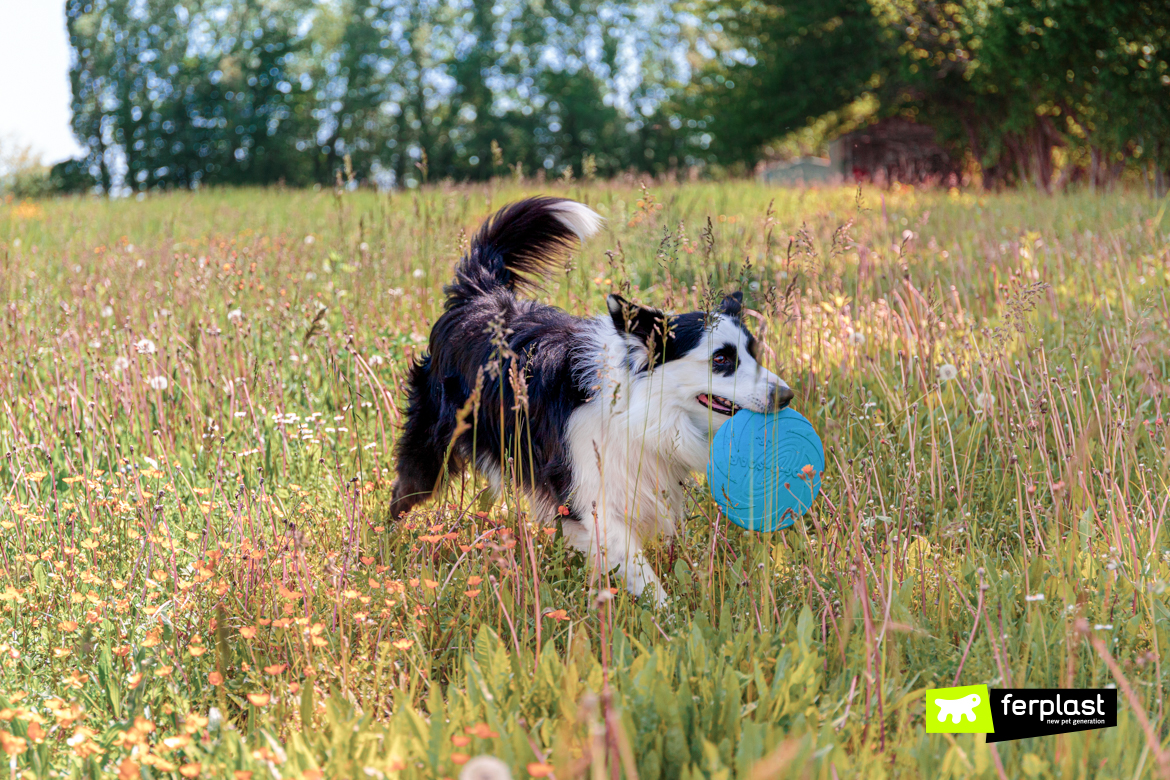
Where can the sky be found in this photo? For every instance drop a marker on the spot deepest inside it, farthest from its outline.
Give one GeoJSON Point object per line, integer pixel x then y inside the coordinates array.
{"type": "Point", "coordinates": [34, 78]}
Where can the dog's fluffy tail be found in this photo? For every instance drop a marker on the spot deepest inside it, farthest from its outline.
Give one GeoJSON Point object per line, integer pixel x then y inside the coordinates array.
{"type": "Point", "coordinates": [518, 244]}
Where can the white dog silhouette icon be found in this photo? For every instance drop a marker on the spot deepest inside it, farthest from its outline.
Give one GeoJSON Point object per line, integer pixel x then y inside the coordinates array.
{"type": "Point", "coordinates": [958, 708]}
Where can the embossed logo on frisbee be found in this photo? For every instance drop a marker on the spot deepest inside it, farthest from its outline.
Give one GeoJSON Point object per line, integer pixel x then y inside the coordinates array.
{"type": "Point", "coordinates": [765, 469]}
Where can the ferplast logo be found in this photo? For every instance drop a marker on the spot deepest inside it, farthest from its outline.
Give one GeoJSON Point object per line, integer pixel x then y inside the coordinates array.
{"type": "Point", "coordinates": [1017, 713]}
{"type": "Point", "coordinates": [962, 710]}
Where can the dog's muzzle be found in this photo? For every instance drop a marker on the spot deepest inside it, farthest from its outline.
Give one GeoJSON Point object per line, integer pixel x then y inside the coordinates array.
{"type": "Point", "coordinates": [779, 396]}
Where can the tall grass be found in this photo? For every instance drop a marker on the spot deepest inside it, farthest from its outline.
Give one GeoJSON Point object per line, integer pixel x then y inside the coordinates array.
{"type": "Point", "coordinates": [200, 396]}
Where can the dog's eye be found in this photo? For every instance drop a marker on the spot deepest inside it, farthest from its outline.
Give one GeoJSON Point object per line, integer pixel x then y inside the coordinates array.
{"type": "Point", "coordinates": [725, 360]}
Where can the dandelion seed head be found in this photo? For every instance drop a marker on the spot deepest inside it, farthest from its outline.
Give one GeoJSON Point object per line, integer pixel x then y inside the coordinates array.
{"type": "Point", "coordinates": [485, 768]}
{"type": "Point", "coordinates": [235, 315]}
{"type": "Point", "coordinates": [158, 383]}
{"type": "Point", "coordinates": [121, 363]}
{"type": "Point", "coordinates": [947, 372]}
{"type": "Point", "coordinates": [145, 347]}
{"type": "Point", "coordinates": [984, 401]}
{"type": "Point", "coordinates": [857, 338]}
{"type": "Point", "coordinates": [418, 273]}
{"type": "Point", "coordinates": [310, 240]}
{"type": "Point", "coordinates": [107, 311]}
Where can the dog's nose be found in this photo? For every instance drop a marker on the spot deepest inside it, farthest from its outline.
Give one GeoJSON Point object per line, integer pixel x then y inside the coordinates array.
{"type": "Point", "coordinates": [780, 396]}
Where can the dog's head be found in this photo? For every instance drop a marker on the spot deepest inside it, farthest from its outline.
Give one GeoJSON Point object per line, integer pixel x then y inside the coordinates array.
{"type": "Point", "coordinates": [708, 360]}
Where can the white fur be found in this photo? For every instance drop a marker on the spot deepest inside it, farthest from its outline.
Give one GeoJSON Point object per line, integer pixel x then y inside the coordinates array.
{"type": "Point", "coordinates": [578, 217]}
{"type": "Point", "coordinates": [639, 438]}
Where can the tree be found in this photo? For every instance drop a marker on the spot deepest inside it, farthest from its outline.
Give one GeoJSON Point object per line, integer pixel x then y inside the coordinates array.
{"type": "Point", "coordinates": [174, 94]}
{"type": "Point", "coordinates": [787, 64]}
{"type": "Point", "coordinates": [170, 93]}
{"type": "Point", "coordinates": [1011, 81]}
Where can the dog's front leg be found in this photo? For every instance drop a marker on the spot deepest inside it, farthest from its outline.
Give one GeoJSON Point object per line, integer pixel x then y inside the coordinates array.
{"type": "Point", "coordinates": [610, 543]}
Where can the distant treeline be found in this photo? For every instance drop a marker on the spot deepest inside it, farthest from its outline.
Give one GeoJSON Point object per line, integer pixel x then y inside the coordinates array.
{"type": "Point", "coordinates": [199, 92]}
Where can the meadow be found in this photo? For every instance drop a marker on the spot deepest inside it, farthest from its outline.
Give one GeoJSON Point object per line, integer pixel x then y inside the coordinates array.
{"type": "Point", "coordinates": [200, 393]}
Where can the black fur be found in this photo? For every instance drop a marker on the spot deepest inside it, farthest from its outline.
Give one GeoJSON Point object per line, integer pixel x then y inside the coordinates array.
{"type": "Point", "coordinates": [732, 305]}
{"type": "Point", "coordinates": [666, 337]}
{"type": "Point", "coordinates": [490, 338]}
{"type": "Point", "coordinates": [725, 360]}
{"type": "Point", "coordinates": [487, 334]}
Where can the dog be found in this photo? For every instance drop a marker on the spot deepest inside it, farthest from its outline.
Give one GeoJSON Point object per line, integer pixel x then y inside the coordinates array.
{"type": "Point", "coordinates": [605, 417]}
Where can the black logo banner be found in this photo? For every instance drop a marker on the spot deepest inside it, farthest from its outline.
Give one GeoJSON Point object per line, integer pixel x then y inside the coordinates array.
{"type": "Point", "coordinates": [1019, 713]}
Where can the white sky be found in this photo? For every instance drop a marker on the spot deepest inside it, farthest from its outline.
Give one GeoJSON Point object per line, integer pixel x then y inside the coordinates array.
{"type": "Point", "coordinates": [34, 78]}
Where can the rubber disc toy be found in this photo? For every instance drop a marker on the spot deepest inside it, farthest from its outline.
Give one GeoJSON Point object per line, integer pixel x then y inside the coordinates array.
{"type": "Point", "coordinates": [759, 468]}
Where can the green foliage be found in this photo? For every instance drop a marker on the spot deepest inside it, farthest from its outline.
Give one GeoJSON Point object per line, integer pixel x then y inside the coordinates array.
{"type": "Point", "coordinates": [1040, 93]}
{"type": "Point", "coordinates": [190, 93]}
{"type": "Point", "coordinates": [182, 94]}
{"type": "Point", "coordinates": [1012, 81]}
{"type": "Point", "coordinates": [22, 174]}
{"type": "Point", "coordinates": [800, 61]}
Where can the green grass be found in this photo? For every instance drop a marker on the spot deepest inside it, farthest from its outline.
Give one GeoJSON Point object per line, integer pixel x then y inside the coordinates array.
{"type": "Point", "coordinates": [201, 579]}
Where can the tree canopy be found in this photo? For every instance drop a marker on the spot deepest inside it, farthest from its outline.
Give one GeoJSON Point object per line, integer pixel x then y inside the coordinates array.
{"type": "Point", "coordinates": [179, 93]}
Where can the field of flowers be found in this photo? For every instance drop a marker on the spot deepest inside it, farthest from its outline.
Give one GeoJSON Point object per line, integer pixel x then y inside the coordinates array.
{"type": "Point", "coordinates": [199, 396]}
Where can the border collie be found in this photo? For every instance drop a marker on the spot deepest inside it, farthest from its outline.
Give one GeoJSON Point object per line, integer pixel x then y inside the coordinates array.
{"type": "Point", "coordinates": [605, 416]}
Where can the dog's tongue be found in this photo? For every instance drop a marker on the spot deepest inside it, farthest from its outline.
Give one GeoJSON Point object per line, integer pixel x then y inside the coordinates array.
{"type": "Point", "coordinates": [715, 402]}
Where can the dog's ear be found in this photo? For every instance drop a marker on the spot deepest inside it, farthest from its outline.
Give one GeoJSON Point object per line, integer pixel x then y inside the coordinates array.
{"type": "Point", "coordinates": [646, 324]}
{"type": "Point", "coordinates": [732, 305]}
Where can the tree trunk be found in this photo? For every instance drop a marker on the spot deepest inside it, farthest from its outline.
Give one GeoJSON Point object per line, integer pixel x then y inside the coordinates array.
{"type": "Point", "coordinates": [986, 174]}
{"type": "Point", "coordinates": [1042, 149]}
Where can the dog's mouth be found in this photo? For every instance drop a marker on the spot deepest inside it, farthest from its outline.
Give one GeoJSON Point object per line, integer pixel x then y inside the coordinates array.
{"type": "Point", "coordinates": [718, 403]}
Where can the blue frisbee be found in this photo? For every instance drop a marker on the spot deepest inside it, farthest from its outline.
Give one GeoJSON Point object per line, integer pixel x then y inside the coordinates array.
{"type": "Point", "coordinates": [757, 471]}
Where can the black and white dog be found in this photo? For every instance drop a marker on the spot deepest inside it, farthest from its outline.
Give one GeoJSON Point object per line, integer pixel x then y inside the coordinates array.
{"type": "Point", "coordinates": [605, 416]}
